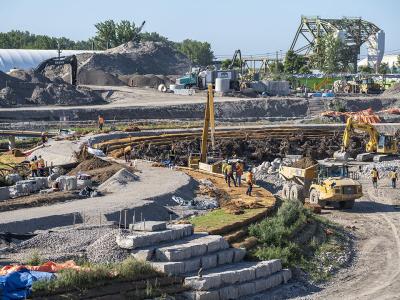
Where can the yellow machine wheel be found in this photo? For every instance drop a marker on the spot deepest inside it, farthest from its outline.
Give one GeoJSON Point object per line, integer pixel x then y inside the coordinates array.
{"type": "Point", "coordinates": [296, 193]}
{"type": "Point", "coordinates": [286, 192]}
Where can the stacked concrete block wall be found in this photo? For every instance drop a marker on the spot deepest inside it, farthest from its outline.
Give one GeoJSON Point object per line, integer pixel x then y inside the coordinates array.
{"type": "Point", "coordinates": [212, 269]}
{"type": "Point", "coordinates": [67, 183]}
{"type": "Point", "coordinates": [4, 193]}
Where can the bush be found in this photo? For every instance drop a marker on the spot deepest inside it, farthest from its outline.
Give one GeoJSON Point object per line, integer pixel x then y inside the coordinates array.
{"type": "Point", "coordinates": [288, 254]}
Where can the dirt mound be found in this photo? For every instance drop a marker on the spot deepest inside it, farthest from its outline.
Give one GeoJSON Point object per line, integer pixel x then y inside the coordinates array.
{"type": "Point", "coordinates": [29, 88]}
{"type": "Point", "coordinates": [97, 77]}
{"type": "Point", "coordinates": [29, 76]}
{"type": "Point", "coordinates": [304, 163]}
{"type": "Point", "coordinates": [118, 181]}
{"type": "Point", "coordinates": [131, 58]}
{"type": "Point", "coordinates": [92, 164]}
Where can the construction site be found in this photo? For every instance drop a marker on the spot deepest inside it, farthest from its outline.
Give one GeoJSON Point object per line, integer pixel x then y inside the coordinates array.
{"type": "Point", "coordinates": [130, 173]}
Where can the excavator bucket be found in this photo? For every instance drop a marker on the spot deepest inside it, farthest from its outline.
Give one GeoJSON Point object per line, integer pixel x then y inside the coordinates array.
{"type": "Point", "coordinates": [341, 155]}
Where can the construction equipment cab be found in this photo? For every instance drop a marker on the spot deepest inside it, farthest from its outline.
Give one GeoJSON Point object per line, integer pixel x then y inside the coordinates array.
{"type": "Point", "coordinates": [323, 183]}
{"type": "Point", "coordinates": [380, 146]}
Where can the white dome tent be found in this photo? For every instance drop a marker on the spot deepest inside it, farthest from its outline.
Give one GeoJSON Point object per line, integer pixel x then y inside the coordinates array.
{"type": "Point", "coordinates": [28, 59]}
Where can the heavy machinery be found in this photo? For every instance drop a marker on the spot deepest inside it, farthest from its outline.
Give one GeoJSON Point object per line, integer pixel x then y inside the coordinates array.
{"type": "Point", "coordinates": [380, 146]}
{"type": "Point", "coordinates": [60, 61]}
{"type": "Point", "coordinates": [322, 183]}
{"type": "Point", "coordinates": [366, 85]}
{"type": "Point", "coordinates": [202, 160]}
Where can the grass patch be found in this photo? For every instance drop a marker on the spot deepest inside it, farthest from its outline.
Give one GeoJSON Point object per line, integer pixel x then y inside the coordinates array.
{"type": "Point", "coordinates": [219, 218]}
{"type": "Point", "coordinates": [319, 256]}
{"type": "Point", "coordinates": [34, 259]}
{"type": "Point", "coordinates": [127, 270]}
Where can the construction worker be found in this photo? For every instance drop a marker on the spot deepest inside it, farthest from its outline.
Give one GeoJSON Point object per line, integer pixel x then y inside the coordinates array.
{"type": "Point", "coordinates": [41, 165]}
{"type": "Point", "coordinates": [34, 167]}
{"type": "Point", "coordinates": [127, 153]}
{"type": "Point", "coordinates": [44, 137]}
{"type": "Point", "coordinates": [224, 165]}
{"type": "Point", "coordinates": [249, 180]}
{"type": "Point", "coordinates": [239, 173]}
{"type": "Point", "coordinates": [172, 155]}
{"type": "Point", "coordinates": [100, 122]}
{"type": "Point", "coordinates": [393, 176]}
{"type": "Point", "coordinates": [375, 177]}
{"type": "Point", "coordinates": [229, 174]}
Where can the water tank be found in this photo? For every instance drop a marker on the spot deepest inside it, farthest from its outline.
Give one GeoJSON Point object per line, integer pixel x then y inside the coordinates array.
{"type": "Point", "coordinates": [222, 85]}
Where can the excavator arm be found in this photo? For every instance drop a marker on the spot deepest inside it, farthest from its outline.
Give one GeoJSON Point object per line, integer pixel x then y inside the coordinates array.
{"type": "Point", "coordinates": [59, 61]}
{"type": "Point", "coordinates": [351, 126]}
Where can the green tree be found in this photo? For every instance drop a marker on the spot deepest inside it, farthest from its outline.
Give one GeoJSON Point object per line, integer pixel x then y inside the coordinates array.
{"type": "Point", "coordinates": [153, 37]}
{"type": "Point", "coordinates": [227, 62]}
{"type": "Point", "coordinates": [331, 55]}
{"type": "Point", "coordinates": [105, 35]}
{"type": "Point", "coordinates": [398, 61]}
{"type": "Point", "coordinates": [293, 62]}
{"type": "Point", "coordinates": [200, 53]}
{"type": "Point", "coordinates": [383, 68]}
{"type": "Point", "coordinates": [366, 69]}
{"type": "Point", "coordinates": [273, 67]}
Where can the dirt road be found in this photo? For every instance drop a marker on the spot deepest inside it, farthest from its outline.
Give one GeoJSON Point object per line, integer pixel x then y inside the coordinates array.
{"type": "Point", "coordinates": [376, 271]}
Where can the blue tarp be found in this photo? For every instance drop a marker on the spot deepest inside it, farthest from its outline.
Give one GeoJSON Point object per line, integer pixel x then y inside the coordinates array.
{"type": "Point", "coordinates": [18, 285]}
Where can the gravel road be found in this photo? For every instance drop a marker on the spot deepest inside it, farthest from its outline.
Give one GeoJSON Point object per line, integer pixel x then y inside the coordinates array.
{"type": "Point", "coordinates": [375, 272]}
{"type": "Point", "coordinates": [149, 196]}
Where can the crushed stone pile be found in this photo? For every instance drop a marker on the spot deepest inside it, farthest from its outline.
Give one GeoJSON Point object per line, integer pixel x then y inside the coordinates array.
{"type": "Point", "coordinates": [304, 163]}
{"type": "Point", "coordinates": [383, 168]}
{"type": "Point", "coordinates": [393, 91]}
{"type": "Point", "coordinates": [129, 59]}
{"type": "Point", "coordinates": [94, 243]}
{"type": "Point", "coordinates": [27, 88]}
{"type": "Point", "coordinates": [118, 181]}
{"type": "Point", "coordinates": [150, 80]}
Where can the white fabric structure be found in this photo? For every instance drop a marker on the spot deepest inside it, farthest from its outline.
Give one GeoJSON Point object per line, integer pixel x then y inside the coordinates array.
{"type": "Point", "coordinates": [28, 59]}
{"type": "Point", "coordinates": [390, 59]}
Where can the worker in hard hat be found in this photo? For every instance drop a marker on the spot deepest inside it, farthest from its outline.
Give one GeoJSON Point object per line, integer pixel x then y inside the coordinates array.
{"type": "Point", "coordinates": [41, 166]}
{"type": "Point", "coordinates": [249, 181]}
{"type": "Point", "coordinates": [224, 165]}
{"type": "Point", "coordinates": [34, 167]}
{"type": "Point", "coordinates": [239, 172]}
{"type": "Point", "coordinates": [229, 174]}
{"type": "Point", "coordinates": [374, 177]}
{"type": "Point", "coordinates": [128, 153]}
{"type": "Point", "coordinates": [393, 177]}
{"type": "Point", "coordinates": [100, 122]}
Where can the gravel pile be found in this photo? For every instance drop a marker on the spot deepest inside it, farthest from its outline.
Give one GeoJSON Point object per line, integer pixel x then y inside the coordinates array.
{"type": "Point", "coordinates": [27, 88]}
{"type": "Point", "coordinates": [383, 168]}
{"type": "Point", "coordinates": [94, 243]}
{"type": "Point", "coordinates": [392, 91]}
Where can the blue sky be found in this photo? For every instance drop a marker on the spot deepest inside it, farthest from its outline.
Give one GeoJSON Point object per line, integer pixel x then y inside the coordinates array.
{"type": "Point", "coordinates": [254, 26]}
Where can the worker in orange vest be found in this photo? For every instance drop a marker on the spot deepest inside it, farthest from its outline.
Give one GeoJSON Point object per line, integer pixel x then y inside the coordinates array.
{"type": "Point", "coordinates": [101, 122]}
{"type": "Point", "coordinates": [41, 166]}
{"type": "Point", "coordinates": [34, 167]}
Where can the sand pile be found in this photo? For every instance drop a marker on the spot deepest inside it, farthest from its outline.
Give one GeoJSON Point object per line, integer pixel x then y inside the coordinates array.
{"type": "Point", "coordinates": [27, 88]}
{"type": "Point", "coordinates": [118, 181]}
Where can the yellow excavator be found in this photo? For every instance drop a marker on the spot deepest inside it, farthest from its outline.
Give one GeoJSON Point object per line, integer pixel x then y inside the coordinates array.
{"type": "Point", "coordinates": [380, 146]}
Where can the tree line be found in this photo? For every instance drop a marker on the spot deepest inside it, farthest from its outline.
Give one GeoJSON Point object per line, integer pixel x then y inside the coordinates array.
{"type": "Point", "coordinates": [109, 34]}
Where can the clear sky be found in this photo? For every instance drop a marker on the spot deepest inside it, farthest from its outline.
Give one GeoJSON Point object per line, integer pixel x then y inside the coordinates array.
{"type": "Point", "coordinates": [254, 26]}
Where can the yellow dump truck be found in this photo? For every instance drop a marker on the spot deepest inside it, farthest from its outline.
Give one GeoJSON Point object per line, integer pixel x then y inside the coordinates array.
{"type": "Point", "coordinates": [322, 183]}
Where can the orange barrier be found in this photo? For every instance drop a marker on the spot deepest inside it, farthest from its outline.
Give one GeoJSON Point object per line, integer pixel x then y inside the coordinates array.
{"type": "Point", "coordinates": [393, 111]}
{"type": "Point", "coordinates": [49, 266]}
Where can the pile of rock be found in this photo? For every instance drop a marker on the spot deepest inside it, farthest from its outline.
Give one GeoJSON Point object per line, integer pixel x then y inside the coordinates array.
{"type": "Point", "coordinates": [383, 168]}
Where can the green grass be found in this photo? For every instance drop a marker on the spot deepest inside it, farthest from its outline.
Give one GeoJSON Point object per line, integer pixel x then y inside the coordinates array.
{"type": "Point", "coordinates": [94, 274]}
{"type": "Point", "coordinates": [34, 259]}
{"type": "Point", "coordinates": [318, 257]}
{"type": "Point", "coordinates": [219, 218]}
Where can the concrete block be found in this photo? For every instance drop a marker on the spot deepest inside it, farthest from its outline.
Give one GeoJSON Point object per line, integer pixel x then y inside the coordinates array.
{"type": "Point", "coordinates": [148, 226]}
{"type": "Point", "coordinates": [145, 254]}
{"type": "Point", "coordinates": [192, 265]}
{"type": "Point", "coordinates": [82, 183]}
{"type": "Point", "coordinates": [260, 285]}
{"type": "Point", "coordinates": [198, 250]}
{"type": "Point", "coordinates": [204, 283]}
{"type": "Point", "coordinates": [209, 261]}
{"type": "Point", "coordinates": [171, 268]}
{"type": "Point", "coordinates": [174, 253]}
{"type": "Point", "coordinates": [247, 274]}
{"type": "Point", "coordinates": [228, 293]}
{"type": "Point", "coordinates": [225, 256]}
{"type": "Point", "coordinates": [263, 269]}
{"type": "Point", "coordinates": [202, 295]}
{"type": "Point", "coordinates": [238, 254]}
{"type": "Point", "coordinates": [246, 289]}
{"type": "Point", "coordinates": [4, 193]}
{"type": "Point", "coordinates": [276, 265]}
{"type": "Point", "coordinates": [216, 243]}
{"type": "Point", "coordinates": [287, 275]}
{"type": "Point", "coordinates": [41, 182]}
{"type": "Point", "coordinates": [229, 278]}
{"type": "Point", "coordinates": [274, 280]}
